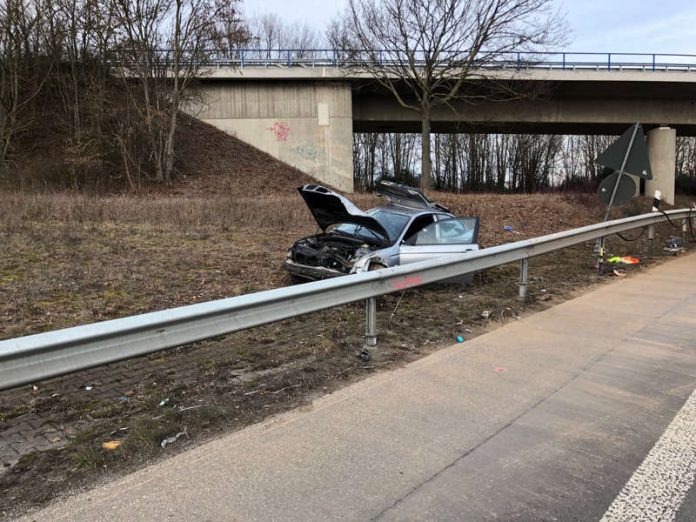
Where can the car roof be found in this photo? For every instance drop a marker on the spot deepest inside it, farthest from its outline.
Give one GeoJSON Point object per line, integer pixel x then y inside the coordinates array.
{"type": "Point", "coordinates": [407, 211]}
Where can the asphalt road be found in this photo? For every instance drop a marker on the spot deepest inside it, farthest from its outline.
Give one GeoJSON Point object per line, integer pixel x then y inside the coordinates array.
{"type": "Point", "coordinates": [582, 412]}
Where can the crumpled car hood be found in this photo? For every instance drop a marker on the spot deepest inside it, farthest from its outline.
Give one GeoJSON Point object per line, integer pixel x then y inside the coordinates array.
{"type": "Point", "coordinates": [329, 208]}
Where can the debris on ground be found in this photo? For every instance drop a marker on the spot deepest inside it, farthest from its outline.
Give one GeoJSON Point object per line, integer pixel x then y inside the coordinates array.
{"type": "Point", "coordinates": [191, 407]}
{"type": "Point", "coordinates": [460, 339]}
{"type": "Point", "coordinates": [171, 440]}
{"type": "Point", "coordinates": [624, 260]}
{"type": "Point", "coordinates": [364, 355]}
{"type": "Point", "coordinates": [674, 245]}
{"type": "Point", "coordinates": [169, 401]}
{"type": "Point", "coordinates": [485, 314]}
{"type": "Point", "coordinates": [111, 445]}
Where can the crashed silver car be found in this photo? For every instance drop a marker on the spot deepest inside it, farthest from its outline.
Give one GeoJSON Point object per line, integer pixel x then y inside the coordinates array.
{"type": "Point", "coordinates": [407, 229]}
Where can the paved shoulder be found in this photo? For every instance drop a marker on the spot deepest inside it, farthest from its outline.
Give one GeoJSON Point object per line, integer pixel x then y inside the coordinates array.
{"type": "Point", "coordinates": [547, 418]}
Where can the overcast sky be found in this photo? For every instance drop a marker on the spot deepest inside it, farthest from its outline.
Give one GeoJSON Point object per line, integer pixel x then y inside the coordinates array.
{"type": "Point", "coordinates": [631, 26]}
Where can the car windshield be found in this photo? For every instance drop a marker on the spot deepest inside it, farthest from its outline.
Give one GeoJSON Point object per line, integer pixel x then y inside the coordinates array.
{"type": "Point", "coordinates": [392, 222]}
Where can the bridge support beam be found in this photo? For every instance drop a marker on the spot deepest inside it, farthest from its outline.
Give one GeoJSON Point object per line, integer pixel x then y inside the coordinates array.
{"type": "Point", "coordinates": [308, 125]}
{"type": "Point", "coordinates": [662, 150]}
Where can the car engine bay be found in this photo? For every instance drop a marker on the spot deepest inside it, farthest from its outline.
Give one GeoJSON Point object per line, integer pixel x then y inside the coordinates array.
{"type": "Point", "coordinates": [329, 251]}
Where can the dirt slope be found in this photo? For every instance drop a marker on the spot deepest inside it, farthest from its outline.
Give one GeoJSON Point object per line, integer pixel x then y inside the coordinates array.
{"type": "Point", "coordinates": [210, 161]}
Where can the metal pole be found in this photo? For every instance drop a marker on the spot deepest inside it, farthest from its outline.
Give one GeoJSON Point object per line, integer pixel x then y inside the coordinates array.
{"type": "Point", "coordinates": [524, 266]}
{"type": "Point", "coordinates": [623, 166]}
{"type": "Point", "coordinates": [371, 321]}
{"type": "Point", "coordinates": [651, 239]}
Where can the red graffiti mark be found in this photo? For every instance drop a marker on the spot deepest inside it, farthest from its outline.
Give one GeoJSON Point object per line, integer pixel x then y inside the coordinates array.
{"type": "Point", "coordinates": [408, 282]}
{"type": "Point", "coordinates": [281, 130]}
{"type": "Point", "coordinates": [500, 369]}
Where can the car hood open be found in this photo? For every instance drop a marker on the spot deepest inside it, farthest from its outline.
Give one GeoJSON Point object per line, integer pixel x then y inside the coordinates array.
{"type": "Point", "coordinates": [329, 208]}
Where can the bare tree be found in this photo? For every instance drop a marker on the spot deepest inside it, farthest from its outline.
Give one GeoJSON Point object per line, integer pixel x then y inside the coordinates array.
{"type": "Point", "coordinates": [163, 44]}
{"type": "Point", "coordinates": [425, 51]}
{"type": "Point", "coordinates": [686, 156]}
{"type": "Point", "coordinates": [365, 148]}
{"type": "Point", "coordinates": [270, 34]}
{"type": "Point", "coordinates": [21, 78]}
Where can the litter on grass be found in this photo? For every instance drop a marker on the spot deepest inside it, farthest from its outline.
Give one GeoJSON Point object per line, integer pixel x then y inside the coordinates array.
{"type": "Point", "coordinates": [171, 440]}
{"type": "Point", "coordinates": [624, 260]}
{"type": "Point", "coordinates": [364, 355]}
{"type": "Point", "coordinates": [111, 445]}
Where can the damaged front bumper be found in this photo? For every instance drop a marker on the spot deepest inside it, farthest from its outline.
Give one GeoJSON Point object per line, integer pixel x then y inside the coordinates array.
{"type": "Point", "coordinates": [310, 272]}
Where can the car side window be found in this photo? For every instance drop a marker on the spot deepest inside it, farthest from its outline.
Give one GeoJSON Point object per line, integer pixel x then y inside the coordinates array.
{"type": "Point", "coordinates": [454, 231]}
{"type": "Point", "coordinates": [418, 224]}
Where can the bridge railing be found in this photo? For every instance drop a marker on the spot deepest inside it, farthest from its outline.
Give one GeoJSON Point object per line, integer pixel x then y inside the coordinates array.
{"type": "Point", "coordinates": [29, 359]}
{"type": "Point", "coordinates": [511, 60]}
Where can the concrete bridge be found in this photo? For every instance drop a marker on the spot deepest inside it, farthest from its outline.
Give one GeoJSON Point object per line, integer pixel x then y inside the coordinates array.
{"type": "Point", "coordinates": [305, 115]}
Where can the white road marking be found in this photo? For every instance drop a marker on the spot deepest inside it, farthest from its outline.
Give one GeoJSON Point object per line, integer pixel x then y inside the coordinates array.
{"type": "Point", "coordinates": [659, 486]}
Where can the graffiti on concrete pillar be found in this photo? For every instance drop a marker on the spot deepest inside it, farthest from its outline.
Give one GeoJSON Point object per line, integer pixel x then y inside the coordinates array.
{"type": "Point", "coordinates": [307, 151]}
{"type": "Point", "coordinates": [281, 130]}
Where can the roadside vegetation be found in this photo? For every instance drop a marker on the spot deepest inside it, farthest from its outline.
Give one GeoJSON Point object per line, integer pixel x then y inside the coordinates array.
{"type": "Point", "coordinates": [115, 203]}
{"type": "Point", "coordinates": [71, 259]}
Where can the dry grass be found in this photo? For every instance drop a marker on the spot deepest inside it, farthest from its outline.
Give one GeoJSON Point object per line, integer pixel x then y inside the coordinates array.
{"type": "Point", "coordinates": [277, 212]}
{"type": "Point", "coordinates": [271, 211]}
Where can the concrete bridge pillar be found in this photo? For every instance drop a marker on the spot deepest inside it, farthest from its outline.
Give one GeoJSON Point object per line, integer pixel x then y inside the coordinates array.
{"type": "Point", "coordinates": [306, 124]}
{"type": "Point", "coordinates": [662, 150]}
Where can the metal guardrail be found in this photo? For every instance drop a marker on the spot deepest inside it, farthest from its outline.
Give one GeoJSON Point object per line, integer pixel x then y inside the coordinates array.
{"type": "Point", "coordinates": [29, 359]}
{"type": "Point", "coordinates": [287, 58]}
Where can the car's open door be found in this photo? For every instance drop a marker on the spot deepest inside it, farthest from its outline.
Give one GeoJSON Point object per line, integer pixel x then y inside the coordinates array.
{"type": "Point", "coordinates": [441, 238]}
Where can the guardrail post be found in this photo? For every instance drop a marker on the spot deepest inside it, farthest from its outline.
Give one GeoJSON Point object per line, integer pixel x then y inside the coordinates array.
{"type": "Point", "coordinates": [653, 64]}
{"type": "Point", "coordinates": [685, 228]}
{"type": "Point", "coordinates": [651, 240]}
{"type": "Point", "coordinates": [524, 268]}
{"type": "Point", "coordinates": [609, 62]}
{"type": "Point", "coordinates": [371, 321]}
{"type": "Point", "coordinates": [564, 60]}
{"type": "Point", "coordinates": [241, 58]}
